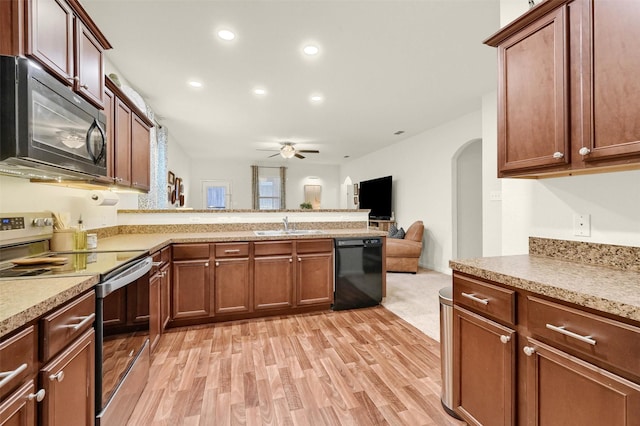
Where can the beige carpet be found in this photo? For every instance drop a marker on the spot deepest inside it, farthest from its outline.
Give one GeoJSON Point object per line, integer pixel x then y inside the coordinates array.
{"type": "Point", "coordinates": [414, 298]}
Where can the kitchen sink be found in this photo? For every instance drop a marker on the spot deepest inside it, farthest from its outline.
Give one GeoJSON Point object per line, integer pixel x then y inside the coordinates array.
{"type": "Point", "coordinates": [279, 232]}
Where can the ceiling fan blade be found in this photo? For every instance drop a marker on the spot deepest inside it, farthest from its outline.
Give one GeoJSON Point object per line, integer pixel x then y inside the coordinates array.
{"type": "Point", "coordinates": [272, 150]}
{"type": "Point", "coordinates": [299, 156]}
{"type": "Point", "coordinates": [274, 155]}
{"type": "Point", "coordinates": [309, 151]}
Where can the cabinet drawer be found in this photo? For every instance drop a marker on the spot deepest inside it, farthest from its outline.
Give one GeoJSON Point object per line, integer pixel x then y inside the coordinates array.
{"type": "Point", "coordinates": [232, 250]}
{"type": "Point", "coordinates": [190, 251]}
{"type": "Point", "coordinates": [486, 299]}
{"type": "Point", "coordinates": [18, 359]}
{"type": "Point", "coordinates": [314, 246]}
{"type": "Point", "coordinates": [65, 324]}
{"type": "Point", "coordinates": [599, 338]}
{"type": "Point", "coordinates": [165, 255]}
{"type": "Point", "coordinates": [271, 248]}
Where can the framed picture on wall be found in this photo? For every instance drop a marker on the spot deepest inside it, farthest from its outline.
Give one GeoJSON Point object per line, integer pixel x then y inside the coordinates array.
{"type": "Point", "coordinates": [171, 178]}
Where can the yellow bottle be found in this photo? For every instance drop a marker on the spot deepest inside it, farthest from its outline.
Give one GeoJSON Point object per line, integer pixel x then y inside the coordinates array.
{"type": "Point", "coordinates": [80, 237]}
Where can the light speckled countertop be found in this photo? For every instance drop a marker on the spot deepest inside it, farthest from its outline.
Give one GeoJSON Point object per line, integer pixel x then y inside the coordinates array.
{"type": "Point", "coordinates": [614, 291]}
{"type": "Point", "coordinates": [24, 300]}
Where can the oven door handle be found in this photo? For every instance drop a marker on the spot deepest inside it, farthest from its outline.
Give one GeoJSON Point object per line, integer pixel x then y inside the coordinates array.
{"type": "Point", "coordinates": [126, 277]}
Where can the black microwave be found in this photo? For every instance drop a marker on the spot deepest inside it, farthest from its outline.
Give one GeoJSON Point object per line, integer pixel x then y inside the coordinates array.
{"type": "Point", "coordinates": [46, 130]}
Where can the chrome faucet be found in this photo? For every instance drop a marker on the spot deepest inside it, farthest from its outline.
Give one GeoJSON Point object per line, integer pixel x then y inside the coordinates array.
{"type": "Point", "coordinates": [285, 221]}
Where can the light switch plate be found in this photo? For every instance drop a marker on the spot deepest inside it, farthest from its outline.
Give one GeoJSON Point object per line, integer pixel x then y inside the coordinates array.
{"type": "Point", "coordinates": [582, 225]}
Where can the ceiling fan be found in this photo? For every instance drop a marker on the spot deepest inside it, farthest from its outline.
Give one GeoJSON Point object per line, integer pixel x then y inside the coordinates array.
{"type": "Point", "coordinates": [288, 150]}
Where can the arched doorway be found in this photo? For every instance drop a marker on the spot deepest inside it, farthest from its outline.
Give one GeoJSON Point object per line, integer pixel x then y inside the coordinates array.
{"type": "Point", "coordinates": [467, 200]}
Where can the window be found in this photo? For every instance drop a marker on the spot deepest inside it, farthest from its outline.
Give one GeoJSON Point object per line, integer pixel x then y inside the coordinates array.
{"type": "Point", "coordinates": [216, 194]}
{"type": "Point", "coordinates": [268, 188]}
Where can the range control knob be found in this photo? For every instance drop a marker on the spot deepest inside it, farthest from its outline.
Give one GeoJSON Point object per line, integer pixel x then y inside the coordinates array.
{"type": "Point", "coordinates": [42, 221]}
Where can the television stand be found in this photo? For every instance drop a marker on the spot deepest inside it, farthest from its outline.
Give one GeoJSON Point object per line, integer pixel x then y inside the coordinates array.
{"type": "Point", "coordinates": [382, 225]}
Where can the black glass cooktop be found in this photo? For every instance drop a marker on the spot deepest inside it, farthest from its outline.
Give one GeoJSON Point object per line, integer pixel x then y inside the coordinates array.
{"type": "Point", "coordinates": [76, 263]}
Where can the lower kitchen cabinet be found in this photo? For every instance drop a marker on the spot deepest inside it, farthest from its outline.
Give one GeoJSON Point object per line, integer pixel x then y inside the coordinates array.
{"type": "Point", "coordinates": [484, 370]}
{"type": "Point", "coordinates": [574, 367]}
{"type": "Point", "coordinates": [165, 295]}
{"type": "Point", "coordinates": [20, 407]}
{"type": "Point", "coordinates": [314, 278]}
{"type": "Point", "coordinates": [155, 320]}
{"type": "Point", "coordinates": [190, 283]}
{"type": "Point", "coordinates": [564, 390]}
{"type": "Point", "coordinates": [273, 275]}
{"type": "Point", "coordinates": [232, 286]}
{"type": "Point", "coordinates": [68, 381]}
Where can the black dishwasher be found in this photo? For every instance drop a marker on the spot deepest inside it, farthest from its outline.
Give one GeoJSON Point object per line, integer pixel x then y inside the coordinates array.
{"type": "Point", "coordinates": [358, 273]}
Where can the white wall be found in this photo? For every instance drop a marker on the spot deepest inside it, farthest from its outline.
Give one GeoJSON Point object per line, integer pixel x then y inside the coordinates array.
{"type": "Point", "coordinates": [180, 164]}
{"type": "Point", "coordinates": [467, 203]}
{"type": "Point", "coordinates": [421, 167]}
{"type": "Point", "coordinates": [491, 185]}
{"type": "Point", "coordinates": [238, 173]}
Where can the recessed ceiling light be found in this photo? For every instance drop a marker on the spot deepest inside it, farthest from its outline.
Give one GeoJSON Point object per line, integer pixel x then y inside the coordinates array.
{"type": "Point", "coordinates": [226, 35]}
{"type": "Point", "coordinates": [259, 91]}
{"type": "Point", "coordinates": [194, 83]}
{"type": "Point", "coordinates": [311, 50]}
{"type": "Point", "coordinates": [316, 98]}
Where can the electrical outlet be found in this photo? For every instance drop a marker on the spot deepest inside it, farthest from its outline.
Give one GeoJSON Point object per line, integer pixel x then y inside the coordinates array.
{"type": "Point", "coordinates": [582, 225]}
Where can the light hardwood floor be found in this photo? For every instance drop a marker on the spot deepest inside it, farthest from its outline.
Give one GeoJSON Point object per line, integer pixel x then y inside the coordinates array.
{"type": "Point", "coordinates": [358, 367]}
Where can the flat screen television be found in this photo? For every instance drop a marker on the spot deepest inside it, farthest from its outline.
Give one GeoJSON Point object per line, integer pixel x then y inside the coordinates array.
{"type": "Point", "coordinates": [375, 195]}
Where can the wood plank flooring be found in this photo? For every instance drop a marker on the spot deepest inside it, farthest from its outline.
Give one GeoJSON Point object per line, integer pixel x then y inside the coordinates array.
{"type": "Point", "coordinates": [358, 367]}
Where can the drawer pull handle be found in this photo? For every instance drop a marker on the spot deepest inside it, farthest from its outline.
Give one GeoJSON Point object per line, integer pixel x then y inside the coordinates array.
{"type": "Point", "coordinates": [562, 330]}
{"type": "Point", "coordinates": [505, 339]}
{"type": "Point", "coordinates": [528, 350]}
{"type": "Point", "coordinates": [232, 251]}
{"type": "Point", "coordinates": [57, 377]}
{"type": "Point", "coordinates": [8, 376]}
{"type": "Point", "coordinates": [38, 396]}
{"type": "Point", "coordinates": [475, 298]}
{"type": "Point", "coordinates": [86, 320]}
{"type": "Point", "coordinates": [156, 263]}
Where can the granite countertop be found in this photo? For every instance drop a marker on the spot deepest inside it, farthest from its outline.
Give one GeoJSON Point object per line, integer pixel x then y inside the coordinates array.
{"type": "Point", "coordinates": [610, 290]}
{"type": "Point", "coordinates": [23, 300]}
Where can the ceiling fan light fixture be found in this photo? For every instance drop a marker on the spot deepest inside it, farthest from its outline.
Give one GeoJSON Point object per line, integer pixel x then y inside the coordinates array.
{"type": "Point", "coordinates": [287, 151]}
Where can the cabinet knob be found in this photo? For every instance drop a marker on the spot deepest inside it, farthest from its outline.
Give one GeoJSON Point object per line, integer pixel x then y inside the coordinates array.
{"type": "Point", "coordinates": [57, 377]}
{"type": "Point", "coordinates": [290, 260]}
{"type": "Point", "coordinates": [84, 86]}
{"type": "Point", "coordinates": [299, 259]}
{"type": "Point", "coordinates": [38, 396]}
{"type": "Point", "coordinates": [584, 150]}
{"type": "Point", "coordinates": [558, 155]}
{"type": "Point", "coordinates": [217, 264]}
{"type": "Point", "coordinates": [528, 350]}
{"type": "Point", "coordinates": [505, 339]}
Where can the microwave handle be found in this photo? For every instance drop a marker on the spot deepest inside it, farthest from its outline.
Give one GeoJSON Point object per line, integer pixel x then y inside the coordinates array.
{"type": "Point", "coordinates": [93, 126]}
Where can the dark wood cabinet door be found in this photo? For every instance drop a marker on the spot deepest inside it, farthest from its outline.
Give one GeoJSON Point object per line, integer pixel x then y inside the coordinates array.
{"type": "Point", "coordinates": [484, 370]}
{"type": "Point", "coordinates": [314, 279]}
{"type": "Point", "coordinates": [51, 36]}
{"type": "Point", "coordinates": [613, 30]}
{"type": "Point", "coordinates": [273, 282]}
{"type": "Point", "coordinates": [140, 154]}
{"type": "Point", "coordinates": [89, 65]}
{"type": "Point", "coordinates": [532, 98]}
{"type": "Point", "coordinates": [155, 326]}
{"type": "Point", "coordinates": [68, 381]}
{"type": "Point", "coordinates": [109, 105]}
{"type": "Point", "coordinates": [122, 139]}
{"type": "Point", "coordinates": [165, 296]}
{"type": "Point", "coordinates": [19, 408]}
{"type": "Point", "coordinates": [563, 390]}
{"type": "Point", "coordinates": [190, 289]}
{"type": "Point", "coordinates": [232, 286]}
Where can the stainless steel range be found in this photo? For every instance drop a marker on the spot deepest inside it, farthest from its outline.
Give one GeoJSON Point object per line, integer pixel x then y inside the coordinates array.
{"type": "Point", "coordinates": [122, 304]}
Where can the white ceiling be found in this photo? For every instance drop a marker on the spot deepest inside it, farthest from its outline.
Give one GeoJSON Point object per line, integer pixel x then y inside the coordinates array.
{"type": "Point", "coordinates": [383, 66]}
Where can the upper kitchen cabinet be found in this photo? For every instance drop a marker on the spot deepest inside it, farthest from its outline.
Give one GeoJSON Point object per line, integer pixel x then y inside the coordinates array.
{"type": "Point", "coordinates": [568, 93]}
{"type": "Point", "coordinates": [128, 135]}
{"type": "Point", "coordinates": [62, 37]}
